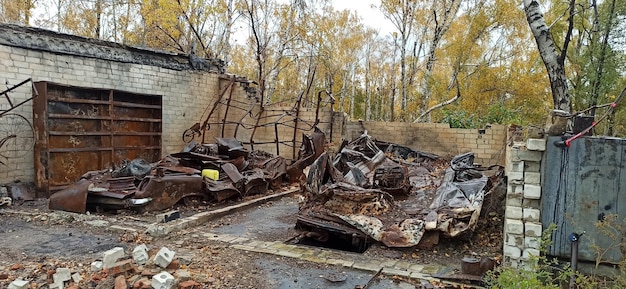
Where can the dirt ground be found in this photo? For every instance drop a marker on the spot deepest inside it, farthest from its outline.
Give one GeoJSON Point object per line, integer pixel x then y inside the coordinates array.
{"type": "Point", "coordinates": [34, 241]}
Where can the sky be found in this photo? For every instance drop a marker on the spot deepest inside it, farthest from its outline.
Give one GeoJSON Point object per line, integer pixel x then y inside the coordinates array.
{"type": "Point", "coordinates": [371, 16]}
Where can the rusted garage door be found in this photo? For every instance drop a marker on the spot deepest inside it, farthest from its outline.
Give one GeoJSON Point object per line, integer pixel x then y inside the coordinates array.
{"type": "Point", "coordinates": [84, 129]}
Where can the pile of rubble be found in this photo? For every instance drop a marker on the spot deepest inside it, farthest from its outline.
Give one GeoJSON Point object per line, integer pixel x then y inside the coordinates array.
{"type": "Point", "coordinates": [200, 173]}
{"type": "Point", "coordinates": [143, 268]}
{"type": "Point", "coordinates": [373, 190]}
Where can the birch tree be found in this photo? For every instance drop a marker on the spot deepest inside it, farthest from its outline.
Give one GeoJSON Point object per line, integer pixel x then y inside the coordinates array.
{"type": "Point", "coordinates": [553, 61]}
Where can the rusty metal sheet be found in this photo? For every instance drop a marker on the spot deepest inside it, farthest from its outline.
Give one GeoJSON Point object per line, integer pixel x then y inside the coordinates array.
{"type": "Point", "coordinates": [83, 129]}
{"type": "Point", "coordinates": [167, 190]}
{"type": "Point", "coordinates": [221, 189]}
{"type": "Point", "coordinates": [72, 199]}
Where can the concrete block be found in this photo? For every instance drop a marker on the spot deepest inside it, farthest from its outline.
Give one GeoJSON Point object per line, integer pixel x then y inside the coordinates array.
{"type": "Point", "coordinates": [57, 285]}
{"type": "Point", "coordinates": [164, 257]}
{"type": "Point", "coordinates": [531, 214]}
{"type": "Point", "coordinates": [140, 254]}
{"type": "Point", "coordinates": [513, 226]}
{"type": "Point", "coordinates": [18, 284]}
{"type": "Point", "coordinates": [513, 212]}
{"type": "Point", "coordinates": [514, 240]}
{"type": "Point", "coordinates": [532, 178]}
{"type": "Point", "coordinates": [535, 144]}
{"type": "Point", "coordinates": [514, 200]}
{"type": "Point", "coordinates": [526, 155]}
{"type": "Point", "coordinates": [532, 242]}
{"type": "Point", "coordinates": [532, 192]}
{"type": "Point", "coordinates": [512, 252]}
{"type": "Point", "coordinates": [76, 277]}
{"type": "Point", "coordinates": [168, 216]}
{"type": "Point", "coordinates": [515, 176]}
{"type": "Point", "coordinates": [532, 229]}
{"type": "Point", "coordinates": [62, 275]}
{"type": "Point", "coordinates": [532, 167]}
{"type": "Point", "coordinates": [515, 189]}
{"type": "Point", "coordinates": [96, 266]}
{"type": "Point", "coordinates": [111, 256]}
{"type": "Point", "coordinates": [530, 253]}
{"type": "Point", "coordinates": [517, 166]}
{"type": "Point", "coordinates": [530, 203]}
{"type": "Point", "coordinates": [162, 280]}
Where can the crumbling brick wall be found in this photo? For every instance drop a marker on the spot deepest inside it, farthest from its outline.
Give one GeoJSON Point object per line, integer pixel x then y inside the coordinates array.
{"type": "Point", "coordinates": [487, 144]}
{"type": "Point", "coordinates": [46, 56]}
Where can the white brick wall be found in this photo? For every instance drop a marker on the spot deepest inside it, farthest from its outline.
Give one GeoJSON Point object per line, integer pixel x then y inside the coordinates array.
{"type": "Point", "coordinates": [522, 213]}
{"type": "Point", "coordinates": [185, 94]}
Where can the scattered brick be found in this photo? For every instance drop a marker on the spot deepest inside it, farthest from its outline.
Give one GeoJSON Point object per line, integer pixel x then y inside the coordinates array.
{"type": "Point", "coordinates": [120, 267]}
{"type": "Point", "coordinates": [17, 267]}
{"type": "Point", "coordinates": [190, 284]}
{"type": "Point", "coordinates": [120, 282]}
{"type": "Point", "coordinates": [175, 264]}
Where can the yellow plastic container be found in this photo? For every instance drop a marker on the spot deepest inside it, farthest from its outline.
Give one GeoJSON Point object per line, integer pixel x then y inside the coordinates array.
{"type": "Point", "coordinates": [211, 174]}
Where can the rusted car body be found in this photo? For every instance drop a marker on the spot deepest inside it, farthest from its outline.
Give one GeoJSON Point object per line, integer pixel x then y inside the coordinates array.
{"type": "Point", "coordinates": [375, 191]}
{"type": "Point", "coordinates": [175, 178]}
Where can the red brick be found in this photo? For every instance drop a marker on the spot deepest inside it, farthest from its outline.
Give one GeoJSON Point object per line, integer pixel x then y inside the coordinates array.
{"type": "Point", "coordinates": [175, 264]}
{"type": "Point", "coordinates": [17, 267]}
{"type": "Point", "coordinates": [120, 267]}
{"type": "Point", "coordinates": [120, 282]}
{"type": "Point", "coordinates": [190, 284]}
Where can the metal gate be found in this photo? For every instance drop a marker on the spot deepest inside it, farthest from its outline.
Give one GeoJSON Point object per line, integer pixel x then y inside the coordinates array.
{"type": "Point", "coordinates": [583, 184]}
{"type": "Point", "coordinates": [84, 129]}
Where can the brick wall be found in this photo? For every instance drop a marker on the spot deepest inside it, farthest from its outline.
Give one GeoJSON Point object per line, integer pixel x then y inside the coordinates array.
{"type": "Point", "coordinates": [522, 224]}
{"type": "Point", "coordinates": [487, 144]}
{"type": "Point", "coordinates": [185, 93]}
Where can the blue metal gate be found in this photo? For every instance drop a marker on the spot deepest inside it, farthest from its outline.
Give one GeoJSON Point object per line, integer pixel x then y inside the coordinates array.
{"type": "Point", "coordinates": [581, 185]}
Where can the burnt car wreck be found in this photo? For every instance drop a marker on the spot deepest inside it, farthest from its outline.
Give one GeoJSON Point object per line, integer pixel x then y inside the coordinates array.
{"type": "Point", "coordinates": [376, 191]}
{"type": "Point", "coordinates": [176, 178]}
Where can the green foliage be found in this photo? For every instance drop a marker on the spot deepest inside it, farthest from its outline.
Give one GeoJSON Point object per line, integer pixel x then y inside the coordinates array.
{"type": "Point", "coordinates": [539, 272]}
{"type": "Point", "coordinates": [497, 113]}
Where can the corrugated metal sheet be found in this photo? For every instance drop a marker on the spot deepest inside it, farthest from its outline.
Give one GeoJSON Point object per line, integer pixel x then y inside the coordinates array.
{"type": "Point", "coordinates": [583, 184]}
{"type": "Point", "coordinates": [83, 129]}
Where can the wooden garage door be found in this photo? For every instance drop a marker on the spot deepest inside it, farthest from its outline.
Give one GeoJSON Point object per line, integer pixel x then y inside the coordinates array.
{"type": "Point", "coordinates": [85, 129]}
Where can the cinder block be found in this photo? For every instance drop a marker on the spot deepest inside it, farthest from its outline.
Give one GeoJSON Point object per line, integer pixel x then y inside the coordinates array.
{"type": "Point", "coordinates": [530, 203]}
{"type": "Point", "coordinates": [111, 256]}
{"type": "Point", "coordinates": [62, 275]}
{"type": "Point", "coordinates": [532, 192]}
{"type": "Point", "coordinates": [532, 178]}
{"type": "Point", "coordinates": [514, 240]}
{"type": "Point", "coordinates": [18, 284]}
{"type": "Point", "coordinates": [534, 144]}
{"type": "Point", "coordinates": [513, 226]}
{"type": "Point", "coordinates": [513, 212]}
{"type": "Point", "coordinates": [514, 200]}
{"type": "Point", "coordinates": [164, 257]}
{"type": "Point", "coordinates": [162, 280]}
{"type": "Point", "coordinates": [531, 214]}
{"type": "Point", "coordinates": [532, 229]}
{"type": "Point", "coordinates": [532, 167]}
{"type": "Point", "coordinates": [530, 253]}
{"type": "Point", "coordinates": [76, 277]}
{"type": "Point", "coordinates": [532, 242]}
{"type": "Point", "coordinates": [515, 176]}
{"type": "Point", "coordinates": [526, 155]}
{"type": "Point", "coordinates": [96, 266]}
{"type": "Point", "coordinates": [140, 254]}
{"type": "Point", "coordinates": [512, 252]}
{"type": "Point", "coordinates": [517, 166]}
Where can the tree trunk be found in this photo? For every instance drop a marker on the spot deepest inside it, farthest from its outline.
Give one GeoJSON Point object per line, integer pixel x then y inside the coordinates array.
{"type": "Point", "coordinates": [554, 64]}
